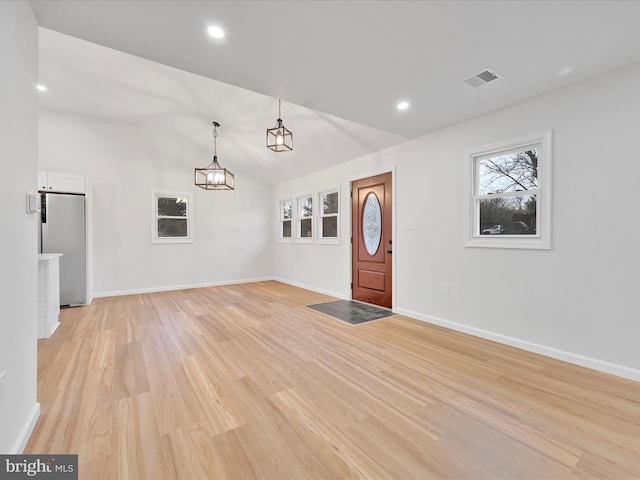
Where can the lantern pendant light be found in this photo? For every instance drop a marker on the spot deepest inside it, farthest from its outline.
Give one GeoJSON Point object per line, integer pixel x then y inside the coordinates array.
{"type": "Point", "coordinates": [213, 176]}
{"type": "Point", "coordinates": [279, 138]}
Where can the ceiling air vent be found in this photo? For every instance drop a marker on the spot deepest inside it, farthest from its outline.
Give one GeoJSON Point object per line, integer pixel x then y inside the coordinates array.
{"type": "Point", "coordinates": [481, 78]}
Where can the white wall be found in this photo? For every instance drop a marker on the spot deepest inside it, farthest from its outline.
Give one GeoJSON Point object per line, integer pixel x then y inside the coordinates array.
{"type": "Point", "coordinates": [18, 263]}
{"type": "Point", "coordinates": [125, 162]}
{"type": "Point", "coordinates": [575, 301]}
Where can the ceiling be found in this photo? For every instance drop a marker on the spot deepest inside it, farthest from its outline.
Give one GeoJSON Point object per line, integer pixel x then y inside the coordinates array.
{"type": "Point", "coordinates": [340, 67]}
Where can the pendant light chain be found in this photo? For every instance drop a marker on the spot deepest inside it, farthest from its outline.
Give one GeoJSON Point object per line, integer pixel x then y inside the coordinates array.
{"type": "Point", "coordinates": [215, 139]}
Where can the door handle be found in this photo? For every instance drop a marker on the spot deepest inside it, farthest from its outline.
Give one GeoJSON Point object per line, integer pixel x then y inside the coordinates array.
{"type": "Point", "coordinates": [389, 251]}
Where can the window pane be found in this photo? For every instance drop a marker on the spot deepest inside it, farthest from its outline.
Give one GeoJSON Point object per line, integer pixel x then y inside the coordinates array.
{"type": "Point", "coordinates": [508, 216]}
{"type": "Point", "coordinates": [371, 223]}
{"type": "Point", "coordinates": [172, 206]}
{"type": "Point", "coordinates": [172, 228]}
{"type": "Point", "coordinates": [305, 207]}
{"type": "Point", "coordinates": [286, 210]}
{"type": "Point", "coordinates": [286, 229]}
{"type": "Point", "coordinates": [329, 227]}
{"type": "Point", "coordinates": [305, 228]}
{"type": "Point", "coordinates": [508, 173]}
{"type": "Point", "coordinates": [329, 203]}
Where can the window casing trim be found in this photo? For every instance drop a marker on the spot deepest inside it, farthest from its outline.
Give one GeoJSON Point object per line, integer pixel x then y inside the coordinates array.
{"type": "Point", "coordinates": [320, 215]}
{"type": "Point", "coordinates": [281, 220]}
{"type": "Point", "coordinates": [155, 239]}
{"type": "Point", "coordinates": [297, 236]}
{"type": "Point", "coordinates": [542, 238]}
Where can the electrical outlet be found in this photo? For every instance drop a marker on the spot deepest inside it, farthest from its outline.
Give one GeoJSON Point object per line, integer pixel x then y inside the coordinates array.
{"type": "Point", "coordinates": [446, 289]}
{"type": "Point", "coordinates": [140, 270]}
{"type": "Point", "coordinates": [3, 379]}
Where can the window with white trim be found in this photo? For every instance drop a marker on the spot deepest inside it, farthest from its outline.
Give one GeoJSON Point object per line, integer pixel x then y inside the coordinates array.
{"type": "Point", "coordinates": [508, 194]}
{"type": "Point", "coordinates": [285, 215]}
{"type": "Point", "coordinates": [328, 216]}
{"type": "Point", "coordinates": [304, 219]}
{"type": "Point", "coordinates": [171, 218]}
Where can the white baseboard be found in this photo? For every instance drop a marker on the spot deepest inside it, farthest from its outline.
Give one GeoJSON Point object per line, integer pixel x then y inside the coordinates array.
{"type": "Point", "coordinates": [52, 329]}
{"type": "Point", "coordinates": [25, 432]}
{"type": "Point", "coordinates": [118, 293]}
{"type": "Point", "coordinates": [593, 363]}
{"type": "Point", "coordinates": [311, 288]}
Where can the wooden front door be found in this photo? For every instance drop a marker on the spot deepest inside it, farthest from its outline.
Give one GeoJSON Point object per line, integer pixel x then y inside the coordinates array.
{"type": "Point", "coordinates": [371, 248]}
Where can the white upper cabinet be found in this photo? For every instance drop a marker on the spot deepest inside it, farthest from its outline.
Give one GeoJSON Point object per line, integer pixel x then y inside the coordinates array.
{"type": "Point", "coordinates": [61, 182]}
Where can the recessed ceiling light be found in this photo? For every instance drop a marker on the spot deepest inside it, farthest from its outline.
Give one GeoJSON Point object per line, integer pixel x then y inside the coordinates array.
{"type": "Point", "coordinates": [402, 105]}
{"type": "Point", "coordinates": [215, 32]}
{"type": "Point", "coordinates": [41, 87]}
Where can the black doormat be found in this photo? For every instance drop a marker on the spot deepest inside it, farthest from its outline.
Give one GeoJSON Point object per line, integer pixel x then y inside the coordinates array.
{"type": "Point", "coordinates": [352, 312]}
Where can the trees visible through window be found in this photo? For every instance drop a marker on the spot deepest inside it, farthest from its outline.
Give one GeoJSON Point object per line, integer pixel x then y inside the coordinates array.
{"type": "Point", "coordinates": [328, 216]}
{"type": "Point", "coordinates": [305, 218]}
{"type": "Point", "coordinates": [509, 192]}
{"type": "Point", "coordinates": [171, 218]}
{"type": "Point", "coordinates": [311, 218]}
{"type": "Point", "coordinates": [286, 220]}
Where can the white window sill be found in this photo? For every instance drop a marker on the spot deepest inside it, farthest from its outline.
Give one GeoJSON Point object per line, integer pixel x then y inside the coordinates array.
{"type": "Point", "coordinates": [534, 242]}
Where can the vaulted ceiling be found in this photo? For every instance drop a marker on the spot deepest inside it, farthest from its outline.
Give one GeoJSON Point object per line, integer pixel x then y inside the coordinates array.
{"type": "Point", "coordinates": [340, 67]}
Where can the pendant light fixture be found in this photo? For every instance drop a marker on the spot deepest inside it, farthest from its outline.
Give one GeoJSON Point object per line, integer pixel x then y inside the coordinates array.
{"type": "Point", "coordinates": [279, 138]}
{"type": "Point", "coordinates": [213, 176]}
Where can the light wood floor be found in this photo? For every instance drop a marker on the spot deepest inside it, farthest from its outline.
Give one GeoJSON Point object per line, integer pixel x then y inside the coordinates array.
{"type": "Point", "coordinates": [245, 382]}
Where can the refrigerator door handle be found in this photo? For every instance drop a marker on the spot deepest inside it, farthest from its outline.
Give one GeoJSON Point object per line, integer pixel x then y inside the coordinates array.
{"type": "Point", "coordinates": [43, 208]}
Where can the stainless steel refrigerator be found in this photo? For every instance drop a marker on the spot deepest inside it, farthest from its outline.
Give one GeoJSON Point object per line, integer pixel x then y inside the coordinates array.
{"type": "Point", "coordinates": [63, 230]}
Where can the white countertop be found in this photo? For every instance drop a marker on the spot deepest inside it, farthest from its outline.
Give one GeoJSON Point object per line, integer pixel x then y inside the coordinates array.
{"type": "Point", "coordinates": [48, 256]}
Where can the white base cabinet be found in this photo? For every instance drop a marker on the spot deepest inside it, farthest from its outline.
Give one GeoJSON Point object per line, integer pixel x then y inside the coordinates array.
{"type": "Point", "coordinates": [48, 293]}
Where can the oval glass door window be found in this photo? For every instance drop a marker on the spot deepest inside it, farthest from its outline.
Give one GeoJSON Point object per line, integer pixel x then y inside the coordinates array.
{"type": "Point", "coordinates": [371, 224]}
